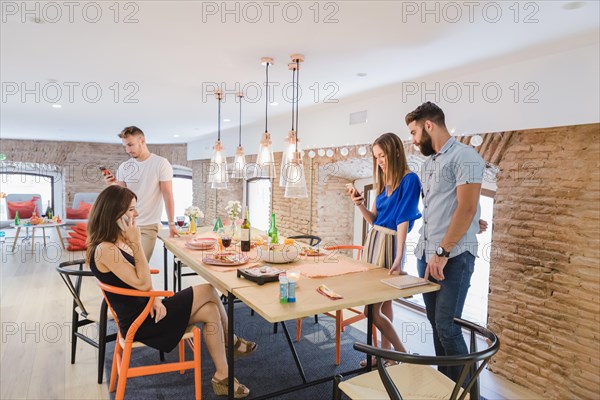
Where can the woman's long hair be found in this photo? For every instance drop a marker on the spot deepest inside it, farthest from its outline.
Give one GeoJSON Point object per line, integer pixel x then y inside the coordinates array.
{"type": "Point", "coordinates": [111, 204]}
{"type": "Point", "coordinates": [393, 148]}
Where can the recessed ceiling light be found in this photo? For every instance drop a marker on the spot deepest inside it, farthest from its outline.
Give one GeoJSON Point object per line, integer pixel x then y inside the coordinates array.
{"type": "Point", "coordinates": [175, 135]}
{"type": "Point", "coordinates": [573, 5]}
{"type": "Point", "coordinates": [56, 106]}
{"type": "Point", "coordinates": [274, 103]}
{"type": "Point", "coordinates": [226, 120]}
{"type": "Point", "coordinates": [362, 74]}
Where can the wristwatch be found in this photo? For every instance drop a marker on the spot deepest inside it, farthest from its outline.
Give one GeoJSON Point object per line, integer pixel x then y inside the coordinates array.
{"type": "Point", "coordinates": [440, 252]}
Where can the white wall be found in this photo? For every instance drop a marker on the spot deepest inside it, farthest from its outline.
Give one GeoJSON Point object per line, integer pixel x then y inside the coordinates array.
{"type": "Point", "coordinates": [564, 86]}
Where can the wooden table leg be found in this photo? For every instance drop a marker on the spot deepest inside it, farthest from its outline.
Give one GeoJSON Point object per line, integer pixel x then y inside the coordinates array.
{"type": "Point", "coordinates": [62, 243]}
{"type": "Point", "coordinates": [44, 233]}
{"type": "Point", "coordinates": [16, 238]}
{"type": "Point", "coordinates": [32, 239]}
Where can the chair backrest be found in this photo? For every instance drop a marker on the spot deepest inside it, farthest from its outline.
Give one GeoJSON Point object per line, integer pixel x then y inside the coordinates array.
{"type": "Point", "coordinates": [472, 363]}
{"type": "Point", "coordinates": [85, 197]}
{"type": "Point", "coordinates": [313, 240]}
{"type": "Point", "coordinates": [129, 337]}
{"type": "Point", "coordinates": [12, 197]}
{"type": "Point", "coordinates": [356, 247]}
{"type": "Point", "coordinates": [73, 278]}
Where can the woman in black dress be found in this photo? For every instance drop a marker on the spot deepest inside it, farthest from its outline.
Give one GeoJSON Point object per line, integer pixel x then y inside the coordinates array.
{"type": "Point", "coordinates": [116, 257]}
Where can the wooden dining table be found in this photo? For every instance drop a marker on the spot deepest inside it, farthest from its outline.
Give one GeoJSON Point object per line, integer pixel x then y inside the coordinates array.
{"type": "Point", "coordinates": [360, 288]}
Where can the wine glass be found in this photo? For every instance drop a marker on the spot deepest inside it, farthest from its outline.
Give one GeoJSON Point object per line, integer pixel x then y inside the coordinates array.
{"type": "Point", "coordinates": [180, 222]}
{"type": "Point", "coordinates": [226, 238]}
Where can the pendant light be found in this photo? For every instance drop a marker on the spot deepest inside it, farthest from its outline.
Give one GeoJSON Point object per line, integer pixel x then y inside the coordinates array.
{"type": "Point", "coordinates": [265, 160]}
{"type": "Point", "coordinates": [218, 177]}
{"type": "Point", "coordinates": [240, 159]}
{"type": "Point", "coordinates": [291, 139]}
{"type": "Point", "coordinates": [295, 184]}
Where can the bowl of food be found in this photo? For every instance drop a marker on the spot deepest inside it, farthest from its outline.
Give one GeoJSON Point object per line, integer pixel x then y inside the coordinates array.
{"type": "Point", "coordinates": [279, 253]}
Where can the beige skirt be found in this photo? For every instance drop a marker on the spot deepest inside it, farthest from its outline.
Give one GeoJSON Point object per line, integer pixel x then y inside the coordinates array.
{"type": "Point", "coordinates": [380, 247]}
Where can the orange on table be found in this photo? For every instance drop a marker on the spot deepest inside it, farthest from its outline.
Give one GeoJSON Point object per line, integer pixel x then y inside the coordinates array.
{"type": "Point", "coordinates": [289, 241]}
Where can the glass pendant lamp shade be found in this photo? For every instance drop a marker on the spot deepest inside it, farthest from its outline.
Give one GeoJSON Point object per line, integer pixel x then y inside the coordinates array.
{"type": "Point", "coordinates": [295, 182]}
{"type": "Point", "coordinates": [219, 167]}
{"type": "Point", "coordinates": [287, 155]}
{"type": "Point", "coordinates": [239, 163]}
{"type": "Point", "coordinates": [218, 173]}
{"type": "Point", "coordinates": [265, 159]}
{"type": "Point", "coordinates": [295, 177]}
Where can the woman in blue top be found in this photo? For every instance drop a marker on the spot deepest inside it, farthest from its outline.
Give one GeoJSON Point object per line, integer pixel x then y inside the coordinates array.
{"type": "Point", "coordinates": [392, 217]}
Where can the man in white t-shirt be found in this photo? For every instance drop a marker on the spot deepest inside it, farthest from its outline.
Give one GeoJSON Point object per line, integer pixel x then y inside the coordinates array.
{"type": "Point", "coordinates": [150, 177]}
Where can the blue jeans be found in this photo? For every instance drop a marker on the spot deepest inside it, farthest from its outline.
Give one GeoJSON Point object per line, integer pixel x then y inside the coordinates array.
{"type": "Point", "coordinates": [442, 306]}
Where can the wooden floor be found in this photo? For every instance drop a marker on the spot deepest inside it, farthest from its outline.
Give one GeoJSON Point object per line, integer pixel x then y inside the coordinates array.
{"type": "Point", "coordinates": [35, 345]}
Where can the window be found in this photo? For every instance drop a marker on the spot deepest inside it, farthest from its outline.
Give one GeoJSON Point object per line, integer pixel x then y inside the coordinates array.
{"type": "Point", "coordinates": [258, 199]}
{"type": "Point", "coordinates": [26, 183]}
{"type": "Point", "coordinates": [182, 194]}
{"type": "Point", "coordinates": [476, 304]}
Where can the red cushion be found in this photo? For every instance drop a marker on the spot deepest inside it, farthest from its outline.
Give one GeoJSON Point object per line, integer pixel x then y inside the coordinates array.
{"type": "Point", "coordinates": [84, 206]}
{"type": "Point", "coordinates": [76, 244]}
{"type": "Point", "coordinates": [80, 230]}
{"type": "Point", "coordinates": [76, 213]}
{"type": "Point", "coordinates": [77, 235]}
{"type": "Point", "coordinates": [25, 208]}
{"type": "Point", "coordinates": [81, 226]}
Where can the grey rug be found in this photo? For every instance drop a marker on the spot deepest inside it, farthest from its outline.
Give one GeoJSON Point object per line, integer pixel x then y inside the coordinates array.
{"type": "Point", "coordinates": [269, 369]}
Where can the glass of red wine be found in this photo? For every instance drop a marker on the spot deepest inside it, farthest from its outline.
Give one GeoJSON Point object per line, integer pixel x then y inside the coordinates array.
{"type": "Point", "coordinates": [180, 222]}
{"type": "Point", "coordinates": [226, 239]}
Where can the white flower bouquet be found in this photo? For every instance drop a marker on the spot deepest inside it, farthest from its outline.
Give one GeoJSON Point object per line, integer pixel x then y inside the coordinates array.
{"type": "Point", "coordinates": [234, 209]}
{"type": "Point", "coordinates": [193, 212]}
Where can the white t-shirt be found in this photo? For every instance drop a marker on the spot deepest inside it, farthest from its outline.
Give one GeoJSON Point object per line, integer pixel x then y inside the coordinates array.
{"type": "Point", "coordinates": [143, 178]}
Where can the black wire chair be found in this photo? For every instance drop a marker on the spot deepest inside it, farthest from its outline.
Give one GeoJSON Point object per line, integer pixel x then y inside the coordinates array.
{"type": "Point", "coordinates": [86, 311]}
{"type": "Point", "coordinates": [397, 378]}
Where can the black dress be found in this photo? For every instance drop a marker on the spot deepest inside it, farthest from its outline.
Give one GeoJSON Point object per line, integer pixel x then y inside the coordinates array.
{"type": "Point", "coordinates": [165, 334]}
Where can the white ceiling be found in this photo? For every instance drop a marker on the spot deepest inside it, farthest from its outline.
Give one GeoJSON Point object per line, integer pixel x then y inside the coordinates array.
{"type": "Point", "coordinates": [170, 53]}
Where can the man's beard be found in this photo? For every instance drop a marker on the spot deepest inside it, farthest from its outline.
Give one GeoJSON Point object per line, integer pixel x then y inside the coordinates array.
{"type": "Point", "coordinates": [426, 146]}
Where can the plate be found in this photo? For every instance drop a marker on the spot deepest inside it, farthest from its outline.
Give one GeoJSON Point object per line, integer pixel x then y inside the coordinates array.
{"type": "Point", "coordinates": [201, 243]}
{"type": "Point", "coordinates": [279, 253]}
{"type": "Point", "coordinates": [225, 259]}
{"type": "Point", "coordinates": [312, 253]}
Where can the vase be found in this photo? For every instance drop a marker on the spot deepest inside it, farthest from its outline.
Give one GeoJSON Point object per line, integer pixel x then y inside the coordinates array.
{"type": "Point", "coordinates": [233, 227]}
{"type": "Point", "coordinates": [192, 228]}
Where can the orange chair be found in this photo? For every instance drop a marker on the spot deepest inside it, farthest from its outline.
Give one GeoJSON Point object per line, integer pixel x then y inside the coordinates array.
{"type": "Point", "coordinates": [124, 346]}
{"type": "Point", "coordinates": [340, 322]}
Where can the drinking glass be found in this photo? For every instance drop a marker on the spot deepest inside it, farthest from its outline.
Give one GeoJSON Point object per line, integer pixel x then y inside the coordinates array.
{"type": "Point", "coordinates": [226, 238]}
{"type": "Point", "coordinates": [180, 222]}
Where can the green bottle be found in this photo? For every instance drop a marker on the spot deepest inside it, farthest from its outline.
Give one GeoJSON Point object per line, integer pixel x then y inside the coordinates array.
{"type": "Point", "coordinates": [273, 230]}
{"type": "Point", "coordinates": [17, 219]}
{"type": "Point", "coordinates": [245, 236]}
{"type": "Point", "coordinates": [218, 225]}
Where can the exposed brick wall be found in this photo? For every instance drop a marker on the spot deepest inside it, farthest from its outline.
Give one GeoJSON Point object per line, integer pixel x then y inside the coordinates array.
{"type": "Point", "coordinates": [545, 272]}
{"type": "Point", "coordinates": [79, 161]}
{"type": "Point", "coordinates": [327, 212]}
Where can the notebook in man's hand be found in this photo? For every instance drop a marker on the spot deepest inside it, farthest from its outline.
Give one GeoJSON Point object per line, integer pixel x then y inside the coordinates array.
{"type": "Point", "coordinates": [404, 281]}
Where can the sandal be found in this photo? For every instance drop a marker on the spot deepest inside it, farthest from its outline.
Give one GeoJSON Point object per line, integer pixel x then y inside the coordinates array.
{"type": "Point", "coordinates": [221, 388]}
{"type": "Point", "coordinates": [237, 343]}
{"type": "Point", "coordinates": [363, 363]}
{"type": "Point", "coordinates": [390, 363]}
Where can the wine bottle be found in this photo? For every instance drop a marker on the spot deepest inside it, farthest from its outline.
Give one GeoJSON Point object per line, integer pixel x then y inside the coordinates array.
{"type": "Point", "coordinates": [49, 213]}
{"type": "Point", "coordinates": [273, 230]}
{"type": "Point", "coordinates": [245, 236]}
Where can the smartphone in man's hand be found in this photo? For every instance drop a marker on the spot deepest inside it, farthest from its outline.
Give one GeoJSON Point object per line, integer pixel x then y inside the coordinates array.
{"type": "Point", "coordinates": [108, 176]}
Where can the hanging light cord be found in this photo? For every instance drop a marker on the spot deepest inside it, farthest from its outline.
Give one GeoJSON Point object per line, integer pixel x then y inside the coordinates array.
{"type": "Point", "coordinates": [219, 115]}
{"type": "Point", "coordinates": [267, 96]}
{"type": "Point", "coordinates": [298, 98]}
{"type": "Point", "coordinates": [293, 94]}
{"type": "Point", "coordinates": [240, 133]}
